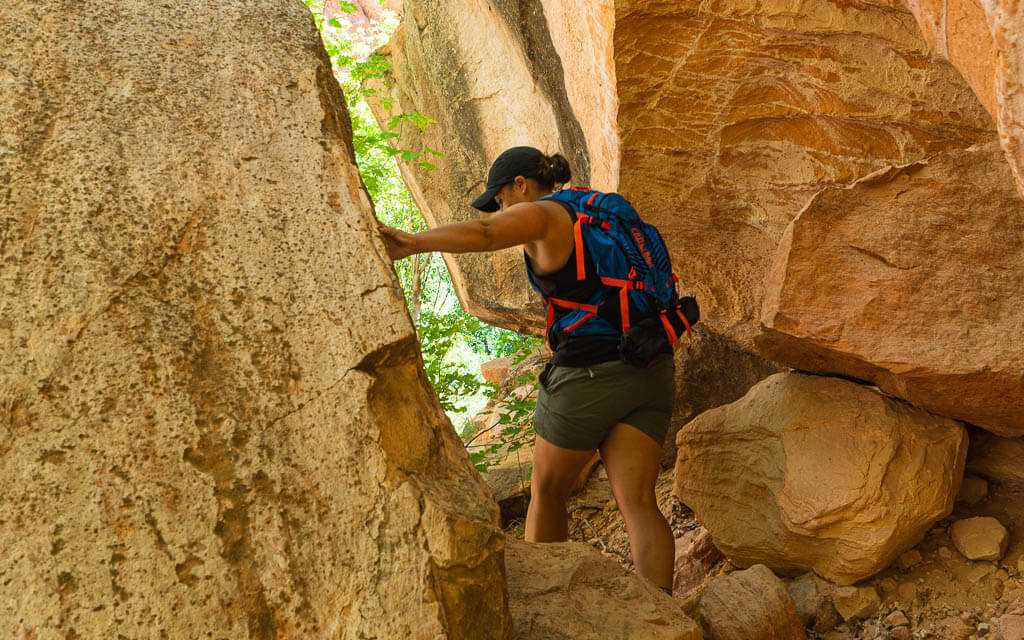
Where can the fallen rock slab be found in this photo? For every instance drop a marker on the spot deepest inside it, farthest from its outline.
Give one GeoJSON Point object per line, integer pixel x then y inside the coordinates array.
{"type": "Point", "coordinates": [695, 554]}
{"type": "Point", "coordinates": [496, 371]}
{"type": "Point", "coordinates": [569, 591]}
{"type": "Point", "coordinates": [752, 604]}
{"type": "Point", "coordinates": [996, 458]}
{"type": "Point", "coordinates": [895, 310]}
{"type": "Point", "coordinates": [981, 538]}
{"type": "Point", "coordinates": [815, 473]}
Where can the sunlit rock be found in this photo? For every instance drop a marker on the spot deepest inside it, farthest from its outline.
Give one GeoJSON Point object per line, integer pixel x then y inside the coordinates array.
{"type": "Point", "coordinates": [815, 473]}
{"type": "Point", "coordinates": [982, 39]}
{"type": "Point", "coordinates": [734, 114]}
{"type": "Point", "coordinates": [495, 75]}
{"type": "Point", "coordinates": [911, 280]}
{"type": "Point", "coordinates": [213, 417]}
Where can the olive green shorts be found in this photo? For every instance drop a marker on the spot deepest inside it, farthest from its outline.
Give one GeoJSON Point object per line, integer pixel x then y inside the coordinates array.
{"type": "Point", "coordinates": [578, 406]}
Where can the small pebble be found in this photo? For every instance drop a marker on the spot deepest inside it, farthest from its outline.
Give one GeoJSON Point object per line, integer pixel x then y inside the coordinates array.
{"type": "Point", "coordinates": [896, 619]}
{"type": "Point", "coordinates": [909, 559]}
{"type": "Point", "coordinates": [900, 633]}
{"type": "Point", "coordinates": [907, 591]}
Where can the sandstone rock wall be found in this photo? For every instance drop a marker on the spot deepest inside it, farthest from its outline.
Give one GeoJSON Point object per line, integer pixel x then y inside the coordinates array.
{"type": "Point", "coordinates": [727, 117]}
{"type": "Point", "coordinates": [982, 39]}
{"type": "Point", "coordinates": [202, 431]}
{"type": "Point", "coordinates": [733, 115]}
{"type": "Point", "coordinates": [730, 119]}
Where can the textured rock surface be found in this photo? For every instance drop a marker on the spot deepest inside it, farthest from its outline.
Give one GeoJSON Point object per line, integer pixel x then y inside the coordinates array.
{"type": "Point", "coordinates": [813, 599]}
{"type": "Point", "coordinates": [924, 267]}
{"type": "Point", "coordinates": [733, 114]}
{"type": "Point", "coordinates": [495, 74]}
{"type": "Point", "coordinates": [201, 431]}
{"type": "Point", "coordinates": [695, 555]}
{"type": "Point", "coordinates": [569, 591]}
{"type": "Point", "coordinates": [815, 473]}
{"type": "Point", "coordinates": [982, 39]}
{"type": "Point", "coordinates": [750, 605]}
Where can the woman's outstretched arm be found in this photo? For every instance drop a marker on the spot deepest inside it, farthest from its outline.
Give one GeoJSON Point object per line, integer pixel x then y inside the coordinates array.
{"type": "Point", "coordinates": [518, 224]}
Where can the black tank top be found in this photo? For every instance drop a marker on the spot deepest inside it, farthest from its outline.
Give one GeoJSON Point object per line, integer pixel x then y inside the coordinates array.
{"type": "Point", "coordinates": [580, 351]}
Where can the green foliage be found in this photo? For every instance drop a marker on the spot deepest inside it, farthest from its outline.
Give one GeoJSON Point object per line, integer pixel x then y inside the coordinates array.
{"type": "Point", "coordinates": [439, 334]}
{"type": "Point", "coordinates": [450, 338]}
{"type": "Point", "coordinates": [514, 428]}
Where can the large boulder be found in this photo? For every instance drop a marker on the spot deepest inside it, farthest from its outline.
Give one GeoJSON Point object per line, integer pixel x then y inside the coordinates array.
{"type": "Point", "coordinates": [213, 417]}
{"type": "Point", "coordinates": [910, 279]}
{"type": "Point", "coordinates": [569, 591]}
{"type": "Point", "coordinates": [814, 473]}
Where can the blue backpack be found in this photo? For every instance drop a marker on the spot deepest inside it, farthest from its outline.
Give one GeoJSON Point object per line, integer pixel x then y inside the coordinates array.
{"type": "Point", "coordinates": [628, 290]}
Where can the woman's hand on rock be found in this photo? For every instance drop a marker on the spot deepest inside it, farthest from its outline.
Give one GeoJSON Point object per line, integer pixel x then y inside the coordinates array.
{"type": "Point", "coordinates": [399, 243]}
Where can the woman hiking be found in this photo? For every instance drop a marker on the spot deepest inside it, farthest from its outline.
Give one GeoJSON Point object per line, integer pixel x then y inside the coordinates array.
{"type": "Point", "coordinates": [589, 399]}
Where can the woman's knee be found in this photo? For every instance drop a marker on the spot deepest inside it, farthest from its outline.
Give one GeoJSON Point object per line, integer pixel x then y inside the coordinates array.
{"type": "Point", "coordinates": [550, 485]}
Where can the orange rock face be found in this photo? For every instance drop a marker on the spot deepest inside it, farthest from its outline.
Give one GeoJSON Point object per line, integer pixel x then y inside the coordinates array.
{"type": "Point", "coordinates": [982, 40]}
{"type": "Point", "coordinates": [733, 115]}
{"type": "Point", "coordinates": [911, 280]}
{"type": "Point", "coordinates": [730, 117]}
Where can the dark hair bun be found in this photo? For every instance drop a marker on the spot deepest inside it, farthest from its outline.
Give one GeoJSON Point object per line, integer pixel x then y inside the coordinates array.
{"type": "Point", "coordinates": [554, 169]}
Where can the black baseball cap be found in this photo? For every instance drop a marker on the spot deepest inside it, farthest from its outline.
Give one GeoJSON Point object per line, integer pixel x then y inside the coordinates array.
{"type": "Point", "coordinates": [517, 161]}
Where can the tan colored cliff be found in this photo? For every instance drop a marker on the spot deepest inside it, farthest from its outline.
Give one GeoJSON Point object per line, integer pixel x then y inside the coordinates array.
{"type": "Point", "coordinates": [213, 416]}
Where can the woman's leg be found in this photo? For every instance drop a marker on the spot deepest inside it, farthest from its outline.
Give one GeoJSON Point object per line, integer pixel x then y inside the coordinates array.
{"type": "Point", "coordinates": [555, 471]}
{"type": "Point", "coordinates": [633, 460]}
